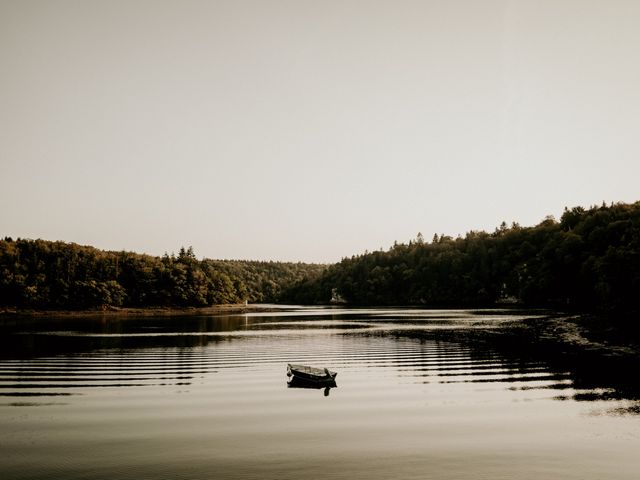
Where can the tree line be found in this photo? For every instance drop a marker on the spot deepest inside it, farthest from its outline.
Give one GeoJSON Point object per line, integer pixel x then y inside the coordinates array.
{"type": "Point", "coordinates": [590, 259]}
{"type": "Point", "coordinates": [57, 275]}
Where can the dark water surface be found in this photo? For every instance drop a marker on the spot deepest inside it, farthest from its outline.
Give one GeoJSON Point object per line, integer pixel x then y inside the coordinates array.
{"type": "Point", "coordinates": [420, 394]}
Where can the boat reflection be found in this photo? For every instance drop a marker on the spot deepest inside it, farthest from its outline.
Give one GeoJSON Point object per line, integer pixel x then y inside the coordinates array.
{"type": "Point", "coordinates": [295, 382]}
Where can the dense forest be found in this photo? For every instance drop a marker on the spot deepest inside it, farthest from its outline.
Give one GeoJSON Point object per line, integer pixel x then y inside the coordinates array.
{"type": "Point", "coordinates": [590, 259]}
{"type": "Point", "coordinates": [57, 275]}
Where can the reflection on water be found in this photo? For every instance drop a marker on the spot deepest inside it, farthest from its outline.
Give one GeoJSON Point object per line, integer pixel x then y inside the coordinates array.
{"type": "Point", "coordinates": [423, 394]}
{"type": "Point", "coordinates": [326, 386]}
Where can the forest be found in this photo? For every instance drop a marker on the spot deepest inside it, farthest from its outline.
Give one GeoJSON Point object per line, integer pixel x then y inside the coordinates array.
{"type": "Point", "coordinates": [41, 274]}
{"type": "Point", "coordinates": [589, 260]}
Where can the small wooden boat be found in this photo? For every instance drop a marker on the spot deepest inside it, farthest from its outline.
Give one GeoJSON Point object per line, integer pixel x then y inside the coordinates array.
{"type": "Point", "coordinates": [310, 374]}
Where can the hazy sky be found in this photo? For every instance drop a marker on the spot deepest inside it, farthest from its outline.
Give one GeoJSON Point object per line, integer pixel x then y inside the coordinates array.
{"type": "Point", "coordinates": [310, 130]}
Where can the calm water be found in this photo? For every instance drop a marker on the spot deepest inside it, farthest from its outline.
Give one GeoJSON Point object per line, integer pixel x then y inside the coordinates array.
{"type": "Point", "coordinates": [420, 394]}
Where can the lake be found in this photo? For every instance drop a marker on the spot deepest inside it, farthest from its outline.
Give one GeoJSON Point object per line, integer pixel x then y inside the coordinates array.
{"type": "Point", "coordinates": [443, 394]}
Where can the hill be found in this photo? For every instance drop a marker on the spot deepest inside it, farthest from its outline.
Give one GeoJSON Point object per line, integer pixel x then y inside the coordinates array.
{"type": "Point", "coordinates": [590, 259]}
{"type": "Point", "coordinates": [57, 275]}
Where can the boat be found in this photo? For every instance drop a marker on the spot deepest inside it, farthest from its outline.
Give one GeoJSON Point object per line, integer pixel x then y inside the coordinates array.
{"type": "Point", "coordinates": [303, 373]}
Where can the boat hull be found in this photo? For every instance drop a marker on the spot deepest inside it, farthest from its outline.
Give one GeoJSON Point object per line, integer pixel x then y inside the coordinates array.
{"type": "Point", "coordinates": [303, 373]}
{"type": "Point", "coordinates": [295, 382]}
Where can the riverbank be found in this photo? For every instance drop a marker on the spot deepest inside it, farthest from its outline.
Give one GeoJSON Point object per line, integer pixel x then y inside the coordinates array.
{"type": "Point", "coordinates": [8, 313]}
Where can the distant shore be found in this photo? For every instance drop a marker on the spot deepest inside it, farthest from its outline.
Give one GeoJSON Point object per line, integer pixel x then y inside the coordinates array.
{"type": "Point", "coordinates": [142, 311]}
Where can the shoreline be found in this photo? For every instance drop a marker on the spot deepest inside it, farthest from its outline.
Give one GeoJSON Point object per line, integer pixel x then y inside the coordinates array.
{"type": "Point", "coordinates": [142, 311]}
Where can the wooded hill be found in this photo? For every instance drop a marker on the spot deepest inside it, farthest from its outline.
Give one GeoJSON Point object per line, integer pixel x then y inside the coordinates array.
{"type": "Point", "coordinates": [58, 275]}
{"type": "Point", "coordinates": [589, 259]}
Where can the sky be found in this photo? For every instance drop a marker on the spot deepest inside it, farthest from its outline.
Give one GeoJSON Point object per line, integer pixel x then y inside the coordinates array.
{"type": "Point", "coordinates": [306, 130]}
